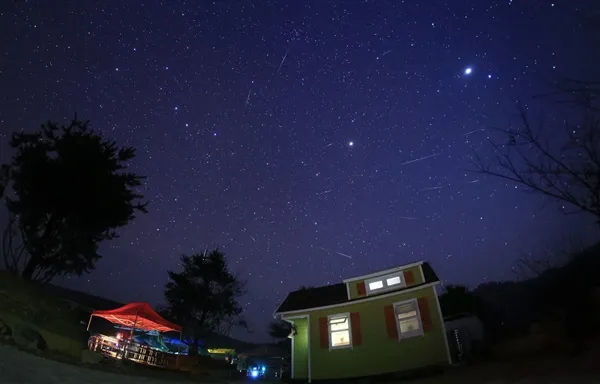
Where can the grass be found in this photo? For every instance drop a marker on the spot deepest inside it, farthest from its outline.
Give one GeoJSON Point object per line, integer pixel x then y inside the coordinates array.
{"type": "Point", "coordinates": [26, 303]}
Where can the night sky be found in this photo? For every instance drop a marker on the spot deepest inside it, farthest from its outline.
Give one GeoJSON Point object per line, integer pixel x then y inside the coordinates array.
{"type": "Point", "coordinates": [310, 140]}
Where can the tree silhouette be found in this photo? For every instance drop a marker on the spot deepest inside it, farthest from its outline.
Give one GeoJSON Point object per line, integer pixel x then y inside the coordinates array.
{"type": "Point", "coordinates": [458, 299]}
{"type": "Point", "coordinates": [565, 168]}
{"type": "Point", "coordinates": [204, 296]}
{"type": "Point", "coordinates": [279, 329]}
{"type": "Point", "coordinates": [66, 190]}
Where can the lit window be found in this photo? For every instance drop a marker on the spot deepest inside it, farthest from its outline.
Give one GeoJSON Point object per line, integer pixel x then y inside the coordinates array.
{"type": "Point", "coordinates": [339, 331]}
{"type": "Point", "coordinates": [376, 285]}
{"type": "Point", "coordinates": [383, 283]}
{"type": "Point", "coordinates": [408, 319]}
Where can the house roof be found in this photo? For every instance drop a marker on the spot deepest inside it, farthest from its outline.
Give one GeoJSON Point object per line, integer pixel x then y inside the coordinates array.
{"type": "Point", "coordinates": [383, 272]}
{"type": "Point", "coordinates": [338, 294]}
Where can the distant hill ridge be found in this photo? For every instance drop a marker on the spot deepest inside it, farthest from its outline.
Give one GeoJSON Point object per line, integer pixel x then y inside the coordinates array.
{"type": "Point", "coordinates": [91, 302]}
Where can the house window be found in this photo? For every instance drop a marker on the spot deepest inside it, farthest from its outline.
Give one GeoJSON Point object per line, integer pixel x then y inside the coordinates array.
{"type": "Point", "coordinates": [408, 319]}
{"type": "Point", "coordinates": [383, 283]}
{"type": "Point", "coordinates": [375, 285]}
{"type": "Point", "coordinates": [339, 331]}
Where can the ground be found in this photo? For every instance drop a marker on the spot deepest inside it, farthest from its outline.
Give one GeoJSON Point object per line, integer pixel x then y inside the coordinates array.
{"type": "Point", "coordinates": [20, 367]}
{"type": "Point", "coordinates": [17, 366]}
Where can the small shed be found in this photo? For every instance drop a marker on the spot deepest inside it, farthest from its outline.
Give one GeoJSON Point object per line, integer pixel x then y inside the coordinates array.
{"type": "Point", "coordinates": [465, 333]}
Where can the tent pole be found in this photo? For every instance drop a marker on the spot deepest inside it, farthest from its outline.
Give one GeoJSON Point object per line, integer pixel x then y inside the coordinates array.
{"type": "Point", "coordinates": [178, 349]}
{"type": "Point", "coordinates": [134, 324]}
{"type": "Point", "coordinates": [130, 336]}
{"type": "Point", "coordinates": [89, 322]}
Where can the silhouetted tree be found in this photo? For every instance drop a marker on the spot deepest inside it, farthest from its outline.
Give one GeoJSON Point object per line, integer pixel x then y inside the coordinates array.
{"type": "Point", "coordinates": [204, 296]}
{"type": "Point", "coordinates": [458, 299]}
{"type": "Point", "coordinates": [305, 288]}
{"type": "Point", "coordinates": [565, 168]}
{"type": "Point", "coordinates": [279, 329]}
{"type": "Point", "coordinates": [66, 190]}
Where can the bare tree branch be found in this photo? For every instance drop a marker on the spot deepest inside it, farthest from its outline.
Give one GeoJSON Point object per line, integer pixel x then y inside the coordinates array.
{"type": "Point", "coordinates": [555, 254]}
{"type": "Point", "coordinates": [568, 170]}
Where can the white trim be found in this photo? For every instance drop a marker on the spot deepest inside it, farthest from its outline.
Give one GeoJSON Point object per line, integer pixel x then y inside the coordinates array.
{"type": "Point", "coordinates": [437, 301]}
{"type": "Point", "coordinates": [369, 298]}
{"type": "Point", "coordinates": [339, 316]}
{"type": "Point", "coordinates": [292, 373]}
{"type": "Point", "coordinates": [309, 362]}
{"type": "Point", "coordinates": [348, 291]}
{"type": "Point", "coordinates": [422, 274]}
{"type": "Point", "coordinates": [385, 272]}
{"type": "Point", "coordinates": [420, 331]}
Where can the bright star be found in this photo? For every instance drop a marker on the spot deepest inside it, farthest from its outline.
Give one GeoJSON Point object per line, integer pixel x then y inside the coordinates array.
{"type": "Point", "coordinates": [468, 70]}
{"type": "Point", "coordinates": [351, 143]}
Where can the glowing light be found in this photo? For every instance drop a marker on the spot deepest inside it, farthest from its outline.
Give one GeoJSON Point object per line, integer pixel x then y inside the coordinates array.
{"type": "Point", "coordinates": [254, 373]}
{"type": "Point", "coordinates": [468, 71]}
{"type": "Point", "coordinates": [351, 143]}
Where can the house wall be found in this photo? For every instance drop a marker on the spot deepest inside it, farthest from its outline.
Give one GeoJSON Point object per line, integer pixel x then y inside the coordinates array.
{"type": "Point", "coordinates": [416, 272]}
{"type": "Point", "coordinates": [300, 349]}
{"type": "Point", "coordinates": [378, 353]}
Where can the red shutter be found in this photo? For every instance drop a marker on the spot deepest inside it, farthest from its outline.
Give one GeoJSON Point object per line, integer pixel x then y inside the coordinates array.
{"type": "Point", "coordinates": [409, 277]}
{"type": "Point", "coordinates": [355, 324]}
{"type": "Point", "coordinates": [390, 322]}
{"type": "Point", "coordinates": [425, 314]}
{"type": "Point", "coordinates": [324, 332]}
{"type": "Point", "coordinates": [361, 289]}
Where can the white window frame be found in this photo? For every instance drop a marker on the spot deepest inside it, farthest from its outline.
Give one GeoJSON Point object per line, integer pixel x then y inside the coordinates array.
{"type": "Point", "coordinates": [416, 333]}
{"type": "Point", "coordinates": [384, 279]}
{"type": "Point", "coordinates": [334, 317]}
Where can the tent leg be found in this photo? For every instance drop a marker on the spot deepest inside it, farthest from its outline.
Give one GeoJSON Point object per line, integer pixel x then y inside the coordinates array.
{"type": "Point", "coordinates": [89, 322]}
{"type": "Point", "coordinates": [130, 336]}
{"type": "Point", "coordinates": [178, 350]}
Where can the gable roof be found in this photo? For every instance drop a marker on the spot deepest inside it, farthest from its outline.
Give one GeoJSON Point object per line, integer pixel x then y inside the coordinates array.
{"type": "Point", "coordinates": [383, 272]}
{"type": "Point", "coordinates": [338, 294]}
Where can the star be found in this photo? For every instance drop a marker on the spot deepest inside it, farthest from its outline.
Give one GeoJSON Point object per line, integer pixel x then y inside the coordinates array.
{"type": "Point", "coordinates": [283, 157]}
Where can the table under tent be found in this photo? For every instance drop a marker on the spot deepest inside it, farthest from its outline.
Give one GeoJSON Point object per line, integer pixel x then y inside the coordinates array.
{"type": "Point", "coordinates": [147, 346]}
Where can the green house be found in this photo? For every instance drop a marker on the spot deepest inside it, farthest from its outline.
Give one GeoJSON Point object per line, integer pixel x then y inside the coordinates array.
{"type": "Point", "coordinates": [385, 322]}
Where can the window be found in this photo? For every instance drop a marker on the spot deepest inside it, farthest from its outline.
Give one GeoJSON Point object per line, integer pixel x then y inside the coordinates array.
{"type": "Point", "coordinates": [383, 283]}
{"type": "Point", "coordinates": [339, 331]}
{"type": "Point", "coordinates": [375, 285]}
{"type": "Point", "coordinates": [408, 319]}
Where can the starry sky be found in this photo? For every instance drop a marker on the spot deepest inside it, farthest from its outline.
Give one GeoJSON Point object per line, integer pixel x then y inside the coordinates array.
{"type": "Point", "coordinates": [310, 140]}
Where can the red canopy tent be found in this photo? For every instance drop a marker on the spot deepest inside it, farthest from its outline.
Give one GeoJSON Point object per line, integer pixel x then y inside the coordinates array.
{"type": "Point", "coordinates": [137, 316]}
